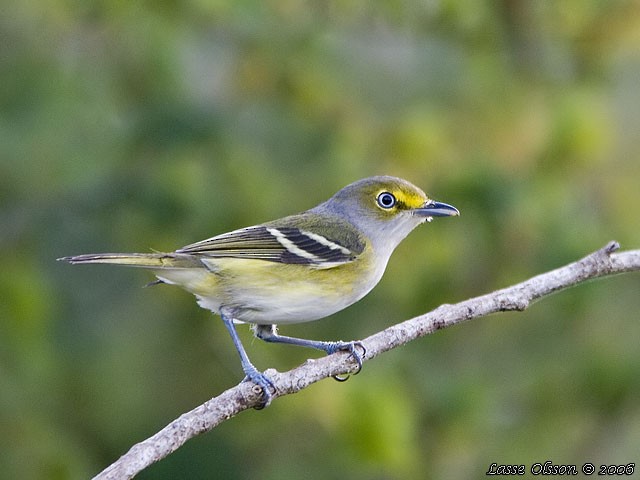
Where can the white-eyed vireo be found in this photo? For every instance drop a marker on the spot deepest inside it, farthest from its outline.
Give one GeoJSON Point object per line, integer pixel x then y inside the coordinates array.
{"type": "Point", "coordinates": [295, 269]}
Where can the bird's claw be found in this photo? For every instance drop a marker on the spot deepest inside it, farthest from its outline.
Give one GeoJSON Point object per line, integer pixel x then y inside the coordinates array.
{"type": "Point", "coordinates": [352, 348]}
{"type": "Point", "coordinates": [263, 385]}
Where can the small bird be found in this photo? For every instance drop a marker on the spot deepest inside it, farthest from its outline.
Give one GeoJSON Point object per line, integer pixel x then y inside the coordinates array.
{"type": "Point", "coordinates": [296, 269]}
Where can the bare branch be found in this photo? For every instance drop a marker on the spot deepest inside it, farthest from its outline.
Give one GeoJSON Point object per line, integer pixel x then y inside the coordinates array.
{"type": "Point", "coordinates": [207, 416]}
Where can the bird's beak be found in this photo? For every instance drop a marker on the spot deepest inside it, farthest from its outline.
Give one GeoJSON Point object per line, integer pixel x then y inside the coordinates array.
{"type": "Point", "coordinates": [436, 209]}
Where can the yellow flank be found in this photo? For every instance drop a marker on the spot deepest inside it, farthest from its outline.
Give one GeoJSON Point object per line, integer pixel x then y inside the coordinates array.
{"type": "Point", "coordinates": [268, 292]}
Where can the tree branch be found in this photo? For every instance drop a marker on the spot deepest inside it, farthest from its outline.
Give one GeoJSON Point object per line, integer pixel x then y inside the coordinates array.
{"type": "Point", "coordinates": [602, 263]}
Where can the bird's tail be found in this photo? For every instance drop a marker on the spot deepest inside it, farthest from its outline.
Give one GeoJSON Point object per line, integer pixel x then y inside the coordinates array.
{"type": "Point", "coordinates": [145, 260]}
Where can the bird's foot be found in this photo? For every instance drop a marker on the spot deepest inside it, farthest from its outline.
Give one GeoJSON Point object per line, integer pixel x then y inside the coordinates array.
{"type": "Point", "coordinates": [263, 384]}
{"type": "Point", "coordinates": [352, 348]}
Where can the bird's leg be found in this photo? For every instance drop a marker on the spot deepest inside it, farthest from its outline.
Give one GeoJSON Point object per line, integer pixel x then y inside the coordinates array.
{"type": "Point", "coordinates": [250, 370]}
{"type": "Point", "coordinates": [269, 333]}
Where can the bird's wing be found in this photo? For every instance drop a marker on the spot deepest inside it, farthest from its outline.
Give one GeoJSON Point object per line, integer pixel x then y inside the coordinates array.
{"type": "Point", "coordinates": [292, 240]}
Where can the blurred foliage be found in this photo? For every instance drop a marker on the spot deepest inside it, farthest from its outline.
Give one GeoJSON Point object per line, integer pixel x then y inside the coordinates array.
{"type": "Point", "coordinates": [128, 126]}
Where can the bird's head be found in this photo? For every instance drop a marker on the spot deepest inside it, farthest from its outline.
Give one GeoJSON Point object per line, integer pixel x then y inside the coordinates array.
{"type": "Point", "coordinates": [385, 209]}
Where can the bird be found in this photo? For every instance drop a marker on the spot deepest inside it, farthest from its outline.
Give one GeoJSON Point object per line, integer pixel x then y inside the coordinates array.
{"type": "Point", "coordinates": [299, 268]}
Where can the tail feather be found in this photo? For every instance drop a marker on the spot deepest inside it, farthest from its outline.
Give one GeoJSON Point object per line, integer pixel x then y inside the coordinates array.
{"type": "Point", "coordinates": [145, 260]}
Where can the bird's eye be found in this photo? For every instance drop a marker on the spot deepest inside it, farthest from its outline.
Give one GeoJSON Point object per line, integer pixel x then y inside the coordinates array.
{"type": "Point", "coordinates": [386, 200]}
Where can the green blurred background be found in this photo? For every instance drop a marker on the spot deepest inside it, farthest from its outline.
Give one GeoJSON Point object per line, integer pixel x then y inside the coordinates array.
{"type": "Point", "coordinates": [130, 126]}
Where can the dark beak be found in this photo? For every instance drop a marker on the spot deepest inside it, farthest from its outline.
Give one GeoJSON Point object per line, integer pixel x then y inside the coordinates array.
{"type": "Point", "coordinates": [436, 209]}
